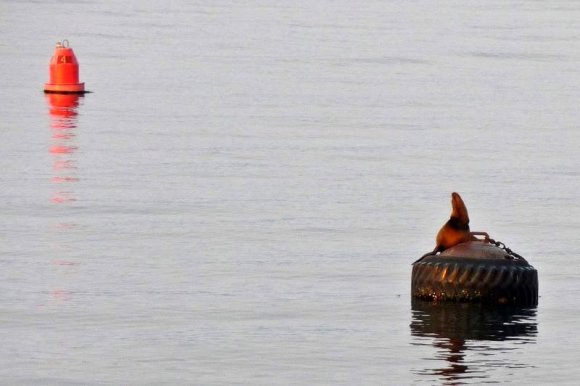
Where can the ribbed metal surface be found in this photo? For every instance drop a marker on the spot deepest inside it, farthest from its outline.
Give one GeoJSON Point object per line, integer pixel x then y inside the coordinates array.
{"type": "Point", "coordinates": [466, 279]}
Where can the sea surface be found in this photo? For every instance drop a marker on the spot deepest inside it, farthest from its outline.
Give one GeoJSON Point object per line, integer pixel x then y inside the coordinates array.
{"type": "Point", "coordinates": [239, 199]}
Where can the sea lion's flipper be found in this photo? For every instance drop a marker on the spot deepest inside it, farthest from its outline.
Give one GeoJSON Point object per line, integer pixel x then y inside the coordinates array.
{"type": "Point", "coordinates": [432, 253]}
{"type": "Point", "coordinates": [484, 234]}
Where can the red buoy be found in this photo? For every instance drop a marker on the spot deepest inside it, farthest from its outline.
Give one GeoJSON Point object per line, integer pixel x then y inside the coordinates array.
{"type": "Point", "coordinates": [64, 71]}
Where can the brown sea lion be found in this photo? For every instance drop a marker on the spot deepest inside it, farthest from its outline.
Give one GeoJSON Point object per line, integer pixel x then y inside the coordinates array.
{"type": "Point", "coordinates": [456, 229]}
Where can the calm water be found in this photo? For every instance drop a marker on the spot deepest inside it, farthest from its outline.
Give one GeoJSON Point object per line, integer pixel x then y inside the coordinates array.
{"type": "Point", "coordinates": [239, 200]}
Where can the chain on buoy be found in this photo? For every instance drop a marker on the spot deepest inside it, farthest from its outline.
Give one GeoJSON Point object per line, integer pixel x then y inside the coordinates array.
{"type": "Point", "coordinates": [64, 71]}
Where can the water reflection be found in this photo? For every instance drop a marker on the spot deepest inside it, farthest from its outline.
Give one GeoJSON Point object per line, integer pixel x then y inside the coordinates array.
{"type": "Point", "coordinates": [63, 110]}
{"type": "Point", "coordinates": [468, 336]}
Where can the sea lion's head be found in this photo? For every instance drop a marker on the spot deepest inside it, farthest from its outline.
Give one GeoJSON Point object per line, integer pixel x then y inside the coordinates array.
{"type": "Point", "coordinates": [458, 209]}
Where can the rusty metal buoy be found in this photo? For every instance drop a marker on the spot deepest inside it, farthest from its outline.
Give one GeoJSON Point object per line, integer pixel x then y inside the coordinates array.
{"type": "Point", "coordinates": [477, 271]}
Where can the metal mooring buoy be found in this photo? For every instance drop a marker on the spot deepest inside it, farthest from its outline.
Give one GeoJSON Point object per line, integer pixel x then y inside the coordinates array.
{"type": "Point", "coordinates": [477, 272]}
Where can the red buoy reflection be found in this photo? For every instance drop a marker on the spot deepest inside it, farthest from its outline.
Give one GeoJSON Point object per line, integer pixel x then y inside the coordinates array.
{"type": "Point", "coordinates": [63, 110]}
{"type": "Point", "coordinates": [64, 176]}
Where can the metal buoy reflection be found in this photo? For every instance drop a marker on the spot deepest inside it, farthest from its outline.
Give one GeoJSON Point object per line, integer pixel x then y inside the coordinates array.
{"type": "Point", "coordinates": [452, 329]}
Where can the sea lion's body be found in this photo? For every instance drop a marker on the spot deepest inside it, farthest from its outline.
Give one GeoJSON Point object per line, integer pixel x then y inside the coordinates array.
{"type": "Point", "coordinates": [456, 229]}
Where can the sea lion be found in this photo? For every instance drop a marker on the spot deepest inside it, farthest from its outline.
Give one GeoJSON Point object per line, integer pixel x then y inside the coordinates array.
{"type": "Point", "coordinates": [456, 229]}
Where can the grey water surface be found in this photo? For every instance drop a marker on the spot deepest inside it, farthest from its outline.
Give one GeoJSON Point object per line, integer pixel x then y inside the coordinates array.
{"type": "Point", "coordinates": [240, 198]}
